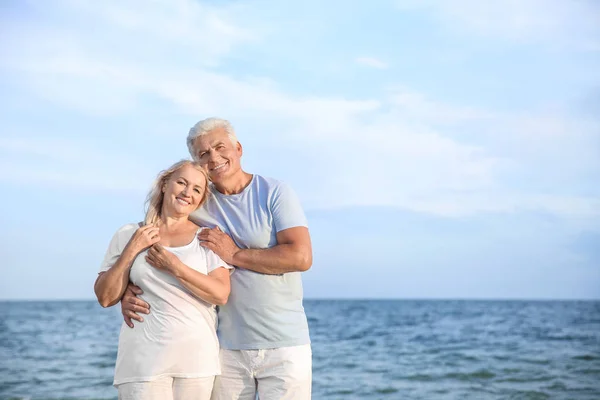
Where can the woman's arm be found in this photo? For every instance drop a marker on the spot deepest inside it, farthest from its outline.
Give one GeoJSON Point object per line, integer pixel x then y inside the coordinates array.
{"type": "Point", "coordinates": [213, 288]}
{"type": "Point", "coordinates": [110, 285]}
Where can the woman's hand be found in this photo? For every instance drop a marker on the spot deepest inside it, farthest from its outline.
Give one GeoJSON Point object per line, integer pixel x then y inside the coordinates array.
{"type": "Point", "coordinates": [143, 238]}
{"type": "Point", "coordinates": [163, 259]}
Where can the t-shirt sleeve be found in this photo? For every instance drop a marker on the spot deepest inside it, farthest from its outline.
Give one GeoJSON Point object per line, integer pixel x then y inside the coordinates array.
{"type": "Point", "coordinates": [286, 208]}
{"type": "Point", "coordinates": [213, 261]}
{"type": "Point", "coordinates": [117, 245]}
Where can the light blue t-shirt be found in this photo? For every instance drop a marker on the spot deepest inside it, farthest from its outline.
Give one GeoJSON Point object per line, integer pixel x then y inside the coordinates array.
{"type": "Point", "coordinates": [263, 311]}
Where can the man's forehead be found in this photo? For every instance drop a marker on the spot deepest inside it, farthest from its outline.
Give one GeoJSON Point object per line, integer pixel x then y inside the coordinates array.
{"type": "Point", "coordinates": [210, 139]}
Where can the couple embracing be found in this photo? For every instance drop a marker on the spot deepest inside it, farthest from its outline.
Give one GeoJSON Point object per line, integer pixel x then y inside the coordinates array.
{"type": "Point", "coordinates": [215, 269]}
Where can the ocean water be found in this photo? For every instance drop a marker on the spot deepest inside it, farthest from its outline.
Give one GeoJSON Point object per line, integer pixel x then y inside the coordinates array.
{"type": "Point", "coordinates": [362, 349]}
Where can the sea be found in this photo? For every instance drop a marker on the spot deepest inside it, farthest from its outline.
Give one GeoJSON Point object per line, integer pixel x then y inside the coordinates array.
{"type": "Point", "coordinates": [362, 349]}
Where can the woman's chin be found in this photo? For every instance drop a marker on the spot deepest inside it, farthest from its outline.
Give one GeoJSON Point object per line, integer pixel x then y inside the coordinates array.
{"type": "Point", "coordinates": [178, 210]}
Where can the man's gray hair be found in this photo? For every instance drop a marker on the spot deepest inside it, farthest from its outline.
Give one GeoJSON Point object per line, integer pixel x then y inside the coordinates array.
{"type": "Point", "coordinates": [205, 126]}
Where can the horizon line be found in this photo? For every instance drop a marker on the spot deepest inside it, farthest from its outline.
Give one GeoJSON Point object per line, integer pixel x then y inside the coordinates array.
{"type": "Point", "coordinates": [73, 299]}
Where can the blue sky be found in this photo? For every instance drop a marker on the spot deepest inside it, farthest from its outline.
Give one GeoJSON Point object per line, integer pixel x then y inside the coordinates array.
{"type": "Point", "coordinates": [441, 149]}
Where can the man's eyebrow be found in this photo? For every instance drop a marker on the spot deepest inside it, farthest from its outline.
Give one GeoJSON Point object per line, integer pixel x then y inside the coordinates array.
{"type": "Point", "coordinates": [212, 145]}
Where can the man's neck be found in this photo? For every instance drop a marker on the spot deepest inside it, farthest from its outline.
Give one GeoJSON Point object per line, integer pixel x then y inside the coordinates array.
{"type": "Point", "coordinates": [235, 184]}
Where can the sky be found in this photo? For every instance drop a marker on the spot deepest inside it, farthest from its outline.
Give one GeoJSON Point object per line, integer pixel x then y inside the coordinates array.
{"type": "Point", "coordinates": [441, 149]}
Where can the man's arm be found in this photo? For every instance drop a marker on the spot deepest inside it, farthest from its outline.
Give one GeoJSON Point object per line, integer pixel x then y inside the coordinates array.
{"type": "Point", "coordinates": [293, 252]}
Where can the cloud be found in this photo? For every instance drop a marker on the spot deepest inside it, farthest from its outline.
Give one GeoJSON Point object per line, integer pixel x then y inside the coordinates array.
{"type": "Point", "coordinates": [574, 24]}
{"type": "Point", "coordinates": [71, 164]}
{"type": "Point", "coordinates": [372, 62]}
{"type": "Point", "coordinates": [403, 148]}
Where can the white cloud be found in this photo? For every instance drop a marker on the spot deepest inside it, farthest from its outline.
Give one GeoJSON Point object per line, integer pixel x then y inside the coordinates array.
{"type": "Point", "coordinates": [372, 62]}
{"type": "Point", "coordinates": [404, 149]}
{"type": "Point", "coordinates": [564, 23]}
{"type": "Point", "coordinates": [72, 164]}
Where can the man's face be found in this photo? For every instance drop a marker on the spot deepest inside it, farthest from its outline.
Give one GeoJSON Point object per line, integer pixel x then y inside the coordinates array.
{"type": "Point", "coordinates": [218, 155]}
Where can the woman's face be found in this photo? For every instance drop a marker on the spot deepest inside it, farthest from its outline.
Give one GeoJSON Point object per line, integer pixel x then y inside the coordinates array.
{"type": "Point", "coordinates": [183, 191]}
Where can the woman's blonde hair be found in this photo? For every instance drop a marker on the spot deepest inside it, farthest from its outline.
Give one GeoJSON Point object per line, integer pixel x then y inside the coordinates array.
{"type": "Point", "coordinates": [154, 201]}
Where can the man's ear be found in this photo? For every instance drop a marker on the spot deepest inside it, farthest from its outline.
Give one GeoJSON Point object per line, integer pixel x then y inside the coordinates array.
{"type": "Point", "coordinates": [240, 149]}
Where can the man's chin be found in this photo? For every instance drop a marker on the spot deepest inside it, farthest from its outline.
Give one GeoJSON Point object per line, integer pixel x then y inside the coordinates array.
{"type": "Point", "coordinates": [216, 178]}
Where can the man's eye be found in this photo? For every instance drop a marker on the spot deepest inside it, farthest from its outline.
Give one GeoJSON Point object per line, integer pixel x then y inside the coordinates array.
{"type": "Point", "coordinates": [202, 154]}
{"type": "Point", "coordinates": [220, 147]}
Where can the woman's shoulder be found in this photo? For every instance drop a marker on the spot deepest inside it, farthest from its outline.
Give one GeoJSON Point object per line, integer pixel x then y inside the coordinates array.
{"type": "Point", "coordinates": [127, 229]}
{"type": "Point", "coordinates": [132, 226]}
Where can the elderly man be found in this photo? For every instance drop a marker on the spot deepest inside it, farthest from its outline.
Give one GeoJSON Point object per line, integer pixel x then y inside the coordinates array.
{"type": "Point", "coordinates": [257, 225]}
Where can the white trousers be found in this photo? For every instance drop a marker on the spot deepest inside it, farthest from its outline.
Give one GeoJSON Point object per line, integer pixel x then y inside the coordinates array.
{"type": "Point", "coordinates": [168, 389]}
{"type": "Point", "coordinates": [275, 374]}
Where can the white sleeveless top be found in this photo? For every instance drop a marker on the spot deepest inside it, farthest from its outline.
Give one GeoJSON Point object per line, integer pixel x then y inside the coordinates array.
{"type": "Point", "coordinates": [178, 338]}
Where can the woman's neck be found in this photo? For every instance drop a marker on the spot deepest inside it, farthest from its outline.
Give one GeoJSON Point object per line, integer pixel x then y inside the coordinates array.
{"type": "Point", "coordinates": [172, 222]}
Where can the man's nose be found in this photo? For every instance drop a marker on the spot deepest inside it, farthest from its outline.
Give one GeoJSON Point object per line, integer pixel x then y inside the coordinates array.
{"type": "Point", "coordinates": [212, 155]}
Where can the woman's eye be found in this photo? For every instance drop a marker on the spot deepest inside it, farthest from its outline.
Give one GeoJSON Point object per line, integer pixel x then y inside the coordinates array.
{"type": "Point", "coordinates": [197, 191]}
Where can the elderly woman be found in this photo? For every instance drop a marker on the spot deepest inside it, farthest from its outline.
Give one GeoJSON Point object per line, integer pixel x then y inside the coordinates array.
{"type": "Point", "coordinates": [174, 353]}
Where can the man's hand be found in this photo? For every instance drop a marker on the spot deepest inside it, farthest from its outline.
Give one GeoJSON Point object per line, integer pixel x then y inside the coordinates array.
{"type": "Point", "coordinates": [131, 305]}
{"type": "Point", "coordinates": [220, 243]}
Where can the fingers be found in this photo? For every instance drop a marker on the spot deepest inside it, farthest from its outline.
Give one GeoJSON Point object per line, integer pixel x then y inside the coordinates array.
{"type": "Point", "coordinates": [128, 321]}
{"type": "Point", "coordinates": [209, 245]}
{"type": "Point", "coordinates": [133, 290]}
{"type": "Point", "coordinates": [151, 261]}
{"type": "Point", "coordinates": [158, 248]}
{"type": "Point", "coordinates": [152, 233]}
{"type": "Point", "coordinates": [133, 309]}
{"type": "Point", "coordinates": [131, 305]}
{"type": "Point", "coordinates": [147, 235]}
{"type": "Point", "coordinates": [131, 315]}
{"type": "Point", "coordinates": [130, 293]}
{"type": "Point", "coordinates": [136, 305]}
{"type": "Point", "coordinates": [145, 228]}
{"type": "Point", "coordinates": [209, 235]}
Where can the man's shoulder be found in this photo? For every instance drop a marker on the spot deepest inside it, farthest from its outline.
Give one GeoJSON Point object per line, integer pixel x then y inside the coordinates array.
{"type": "Point", "coordinates": [266, 180]}
{"type": "Point", "coordinates": [269, 184]}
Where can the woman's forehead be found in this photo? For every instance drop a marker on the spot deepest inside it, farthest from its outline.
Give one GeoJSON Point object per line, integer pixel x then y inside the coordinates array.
{"type": "Point", "coordinates": [190, 172]}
